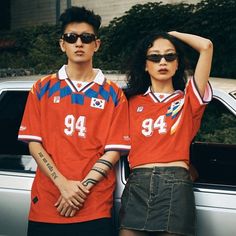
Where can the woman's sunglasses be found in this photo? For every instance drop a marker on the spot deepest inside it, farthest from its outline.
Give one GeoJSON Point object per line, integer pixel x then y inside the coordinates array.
{"type": "Point", "coordinates": [84, 37]}
{"type": "Point", "coordinates": [157, 57]}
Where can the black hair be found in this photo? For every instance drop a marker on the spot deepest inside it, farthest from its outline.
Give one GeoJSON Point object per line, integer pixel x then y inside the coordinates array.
{"type": "Point", "coordinates": [138, 80]}
{"type": "Point", "coordinates": [80, 14]}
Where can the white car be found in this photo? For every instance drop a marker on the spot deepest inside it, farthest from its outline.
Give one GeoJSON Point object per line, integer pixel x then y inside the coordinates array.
{"type": "Point", "coordinates": [214, 161]}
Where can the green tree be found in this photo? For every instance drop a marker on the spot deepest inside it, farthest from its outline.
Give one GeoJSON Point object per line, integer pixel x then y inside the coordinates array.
{"type": "Point", "coordinates": [218, 125]}
{"type": "Point", "coordinates": [216, 19]}
{"type": "Point", "coordinates": [121, 36]}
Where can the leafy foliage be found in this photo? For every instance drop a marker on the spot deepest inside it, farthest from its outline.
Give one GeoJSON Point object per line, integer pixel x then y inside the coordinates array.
{"type": "Point", "coordinates": [218, 125]}
{"type": "Point", "coordinates": [122, 34]}
{"type": "Point", "coordinates": [37, 47]}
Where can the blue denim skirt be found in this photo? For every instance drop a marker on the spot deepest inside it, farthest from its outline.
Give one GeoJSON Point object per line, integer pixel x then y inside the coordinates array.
{"type": "Point", "coordinates": [159, 199]}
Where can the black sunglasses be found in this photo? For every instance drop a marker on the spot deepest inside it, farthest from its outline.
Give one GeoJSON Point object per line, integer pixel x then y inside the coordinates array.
{"type": "Point", "coordinates": [157, 57]}
{"type": "Point", "coordinates": [73, 37]}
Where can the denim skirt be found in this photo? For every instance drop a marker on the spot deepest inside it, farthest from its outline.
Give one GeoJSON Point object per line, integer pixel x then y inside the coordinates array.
{"type": "Point", "coordinates": [159, 199]}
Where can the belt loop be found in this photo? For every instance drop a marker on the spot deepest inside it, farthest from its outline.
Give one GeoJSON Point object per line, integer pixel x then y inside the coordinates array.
{"type": "Point", "coordinates": [155, 168]}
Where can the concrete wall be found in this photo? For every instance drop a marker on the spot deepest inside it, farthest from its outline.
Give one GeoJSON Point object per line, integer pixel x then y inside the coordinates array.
{"type": "Point", "coordinates": [108, 9]}
{"type": "Point", "coordinates": [33, 12]}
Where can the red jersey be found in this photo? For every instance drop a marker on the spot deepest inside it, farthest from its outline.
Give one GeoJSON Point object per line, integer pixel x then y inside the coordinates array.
{"type": "Point", "coordinates": [163, 131]}
{"type": "Point", "coordinates": [75, 125]}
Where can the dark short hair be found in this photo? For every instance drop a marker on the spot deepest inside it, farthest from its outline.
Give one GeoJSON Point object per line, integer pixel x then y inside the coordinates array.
{"type": "Point", "coordinates": [138, 79]}
{"type": "Point", "coordinates": [79, 15]}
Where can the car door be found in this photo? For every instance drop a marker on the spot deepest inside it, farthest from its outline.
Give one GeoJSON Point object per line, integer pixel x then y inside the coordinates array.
{"type": "Point", "coordinates": [213, 155]}
{"type": "Point", "coordinates": [17, 167]}
{"type": "Point", "coordinates": [213, 161]}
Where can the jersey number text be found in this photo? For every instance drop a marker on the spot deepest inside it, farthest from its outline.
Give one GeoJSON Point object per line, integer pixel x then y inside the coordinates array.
{"type": "Point", "coordinates": [149, 125]}
{"type": "Point", "coordinates": [73, 124]}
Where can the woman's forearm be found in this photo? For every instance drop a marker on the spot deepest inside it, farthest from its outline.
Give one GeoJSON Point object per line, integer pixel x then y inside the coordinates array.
{"type": "Point", "coordinates": [205, 48]}
{"type": "Point", "coordinates": [196, 42]}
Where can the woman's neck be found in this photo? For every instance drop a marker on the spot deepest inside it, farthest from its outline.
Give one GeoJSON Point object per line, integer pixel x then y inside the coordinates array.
{"type": "Point", "coordinates": [162, 87]}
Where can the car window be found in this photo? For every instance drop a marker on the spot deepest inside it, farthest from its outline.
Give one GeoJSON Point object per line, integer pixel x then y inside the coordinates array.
{"type": "Point", "coordinates": [213, 150]}
{"type": "Point", "coordinates": [14, 154]}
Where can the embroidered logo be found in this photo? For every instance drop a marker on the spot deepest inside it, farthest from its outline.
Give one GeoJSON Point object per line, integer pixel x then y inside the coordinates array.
{"type": "Point", "coordinates": [56, 99]}
{"type": "Point", "coordinates": [97, 103]}
{"type": "Point", "coordinates": [79, 85]}
{"type": "Point", "coordinates": [126, 138]}
{"type": "Point", "coordinates": [22, 128]}
{"type": "Point", "coordinates": [140, 109]}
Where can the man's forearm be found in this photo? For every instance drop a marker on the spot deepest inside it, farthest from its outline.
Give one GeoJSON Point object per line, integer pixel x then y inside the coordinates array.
{"type": "Point", "coordinates": [45, 162]}
{"type": "Point", "coordinates": [101, 168]}
{"type": "Point", "coordinates": [72, 191]}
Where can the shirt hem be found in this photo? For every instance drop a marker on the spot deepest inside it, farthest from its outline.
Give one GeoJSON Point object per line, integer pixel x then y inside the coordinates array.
{"type": "Point", "coordinates": [65, 220]}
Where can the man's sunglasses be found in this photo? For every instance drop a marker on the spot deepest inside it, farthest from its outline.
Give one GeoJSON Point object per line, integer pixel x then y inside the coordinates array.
{"type": "Point", "coordinates": [84, 37]}
{"type": "Point", "coordinates": [157, 57]}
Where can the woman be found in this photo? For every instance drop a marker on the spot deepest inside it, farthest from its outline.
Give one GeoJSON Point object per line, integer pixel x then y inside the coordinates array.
{"type": "Point", "coordinates": [165, 115]}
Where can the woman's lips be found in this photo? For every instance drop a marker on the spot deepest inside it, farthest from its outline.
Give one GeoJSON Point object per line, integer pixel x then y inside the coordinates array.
{"type": "Point", "coordinates": [163, 71]}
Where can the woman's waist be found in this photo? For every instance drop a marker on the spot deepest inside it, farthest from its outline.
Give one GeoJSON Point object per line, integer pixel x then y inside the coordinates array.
{"type": "Point", "coordinates": [164, 164]}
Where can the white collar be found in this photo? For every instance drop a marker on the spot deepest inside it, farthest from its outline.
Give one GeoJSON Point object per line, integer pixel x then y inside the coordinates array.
{"type": "Point", "coordinates": [99, 79]}
{"type": "Point", "coordinates": [148, 91]}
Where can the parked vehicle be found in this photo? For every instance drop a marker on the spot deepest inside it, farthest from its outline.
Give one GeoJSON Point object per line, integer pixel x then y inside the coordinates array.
{"type": "Point", "coordinates": [212, 155]}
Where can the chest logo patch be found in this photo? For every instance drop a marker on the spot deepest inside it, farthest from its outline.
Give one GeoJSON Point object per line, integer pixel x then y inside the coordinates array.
{"type": "Point", "coordinates": [56, 99]}
{"type": "Point", "coordinates": [97, 103]}
{"type": "Point", "coordinates": [175, 108]}
{"type": "Point", "coordinates": [140, 109]}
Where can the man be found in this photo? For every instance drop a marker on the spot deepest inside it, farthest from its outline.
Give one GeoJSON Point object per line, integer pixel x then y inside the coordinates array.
{"type": "Point", "coordinates": [76, 124]}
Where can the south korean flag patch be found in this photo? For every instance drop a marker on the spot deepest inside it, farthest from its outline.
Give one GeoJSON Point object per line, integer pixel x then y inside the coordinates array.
{"type": "Point", "coordinates": [97, 103]}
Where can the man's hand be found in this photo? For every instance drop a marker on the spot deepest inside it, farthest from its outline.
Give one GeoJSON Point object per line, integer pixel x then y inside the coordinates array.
{"type": "Point", "coordinates": [73, 194]}
{"type": "Point", "coordinates": [64, 209]}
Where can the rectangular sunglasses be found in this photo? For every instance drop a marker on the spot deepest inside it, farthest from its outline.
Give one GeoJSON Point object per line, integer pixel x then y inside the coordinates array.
{"type": "Point", "coordinates": [84, 37]}
{"type": "Point", "coordinates": [169, 57]}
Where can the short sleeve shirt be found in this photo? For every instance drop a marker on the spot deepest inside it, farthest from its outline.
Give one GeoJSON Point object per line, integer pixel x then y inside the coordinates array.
{"type": "Point", "coordinates": [162, 131]}
{"type": "Point", "coordinates": [75, 125]}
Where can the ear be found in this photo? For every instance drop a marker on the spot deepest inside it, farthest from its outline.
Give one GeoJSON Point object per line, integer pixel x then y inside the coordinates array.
{"type": "Point", "coordinates": [146, 69]}
{"type": "Point", "coordinates": [97, 45]}
{"type": "Point", "coordinates": [62, 46]}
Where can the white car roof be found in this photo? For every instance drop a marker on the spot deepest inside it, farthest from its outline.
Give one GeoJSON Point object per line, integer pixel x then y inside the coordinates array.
{"type": "Point", "coordinates": [227, 85]}
{"type": "Point", "coordinates": [224, 90]}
